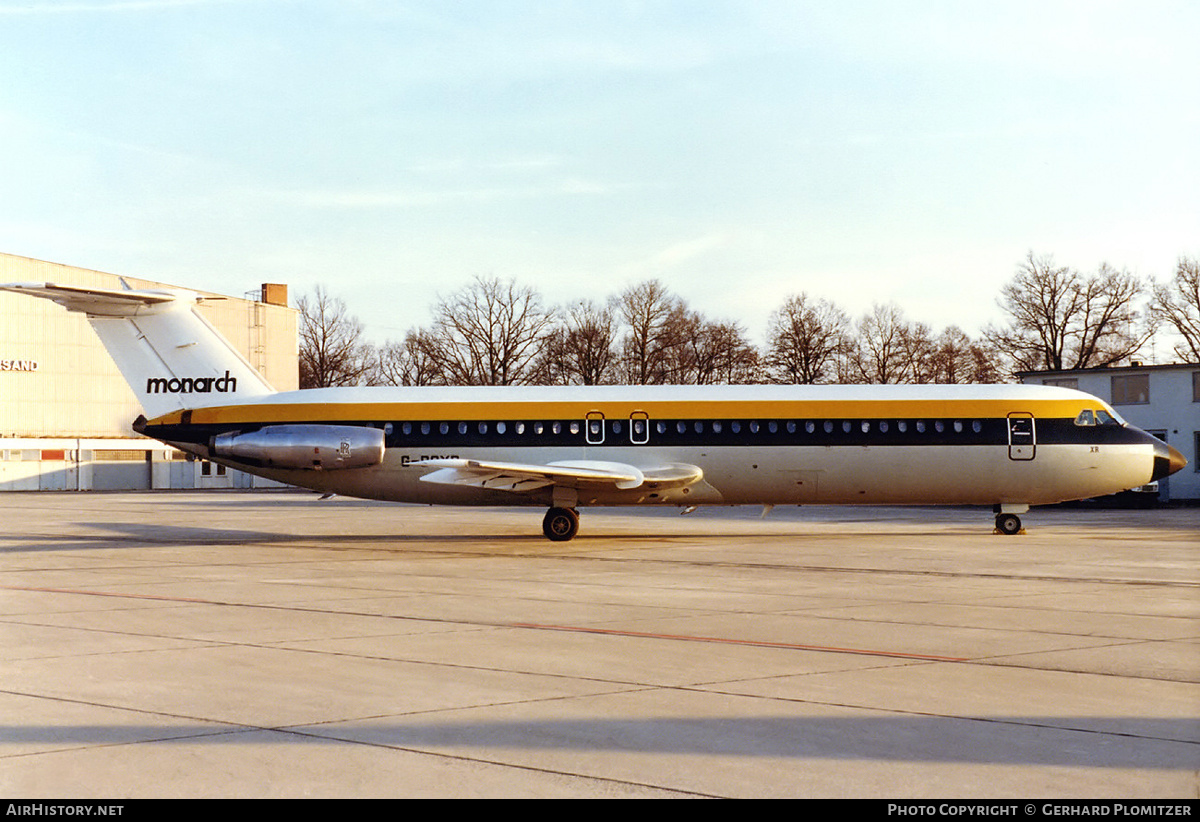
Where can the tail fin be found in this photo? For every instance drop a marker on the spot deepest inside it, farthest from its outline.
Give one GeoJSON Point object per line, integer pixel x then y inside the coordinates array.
{"type": "Point", "coordinates": [172, 358]}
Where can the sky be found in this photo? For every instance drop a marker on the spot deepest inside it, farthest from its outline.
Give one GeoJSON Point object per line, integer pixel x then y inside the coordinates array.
{"type": "Point", "coordinates": [740, 152]}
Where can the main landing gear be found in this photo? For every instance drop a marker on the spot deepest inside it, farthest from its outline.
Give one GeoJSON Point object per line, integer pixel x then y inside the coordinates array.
{"type": "Point", "coordinates": [560, 524]}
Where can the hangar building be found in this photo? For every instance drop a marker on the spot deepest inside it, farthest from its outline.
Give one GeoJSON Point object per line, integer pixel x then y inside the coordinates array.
{"type": "Point", "coordinates": [65, 410]}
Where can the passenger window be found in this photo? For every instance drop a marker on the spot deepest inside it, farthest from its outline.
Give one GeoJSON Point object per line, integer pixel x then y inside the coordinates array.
{"type": "Point", "coordinates": [791, 426]}
{"type": "Point", "coordinates": [556, 427]}
{"type": "Point", "coordinates": [424, 428]}
{"type": "Point", "coordinates": [483, 428]}
{"type": "Point", "coordinates": [902, 426]}
{"type": "Point", "coordinates": [958, 426]}
{"type": "Point", "coordinates": [828, 426]}
{"type": "Point", "coordinates": [920, 426]}
{"type": "Point", "coordinates": [753, 426]}
{"type": "Point", "coordinates": [462, 428]}
{"type": "Point", "coordinates": [716, 426]}
{"type": "Point", "coordinates": [539, 428]}
{"type": "Point", "coordinates": [735, 427]}
{"type": "Point", "coordinates": [810, 427]}
{"type": "Point", "coordinates": [444, 427]}
{"type": "Point", "coordinates": [883, 426]}
{"type": "Point", "coordinates": [866, 427]}
{"type": "Point", "coordinates": [574, 428]}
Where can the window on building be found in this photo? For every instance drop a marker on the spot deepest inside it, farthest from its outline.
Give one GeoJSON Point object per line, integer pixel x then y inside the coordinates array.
{"type": "Point", "coordinates": [1130, 389]}
{"type": "Point", "coordinates": [1196, 386]}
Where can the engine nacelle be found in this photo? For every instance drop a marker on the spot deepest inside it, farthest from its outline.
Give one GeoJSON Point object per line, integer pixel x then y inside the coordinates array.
{"type": "Point", "coordinates": [311, 447]}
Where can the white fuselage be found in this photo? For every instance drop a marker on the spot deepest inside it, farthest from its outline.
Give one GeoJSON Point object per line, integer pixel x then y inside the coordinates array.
{"type": "Point", "coordinates": [793, 444]}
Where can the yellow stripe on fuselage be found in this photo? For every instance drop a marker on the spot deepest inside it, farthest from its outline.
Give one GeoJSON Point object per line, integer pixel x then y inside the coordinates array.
{"type": "Point", "coordinates": [268, 413]}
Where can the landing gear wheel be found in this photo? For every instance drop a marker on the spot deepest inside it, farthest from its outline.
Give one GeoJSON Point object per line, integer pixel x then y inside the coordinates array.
{"type": "Point", "coordinates": [1008, 524]}
{"type": "Point", "coordinates": [560, 524]}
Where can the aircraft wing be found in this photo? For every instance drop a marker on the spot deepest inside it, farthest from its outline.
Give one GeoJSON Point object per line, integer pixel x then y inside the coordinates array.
{"type": "Point", "coordinates": [521, 477]}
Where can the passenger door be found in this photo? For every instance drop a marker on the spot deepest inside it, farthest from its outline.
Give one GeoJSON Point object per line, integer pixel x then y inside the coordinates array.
{"type": "Point", "coordinates": [1022, 436]}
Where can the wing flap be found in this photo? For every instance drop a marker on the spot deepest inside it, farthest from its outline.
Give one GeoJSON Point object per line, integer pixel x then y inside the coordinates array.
{"type": "Point", "coordinates": [675, 475]}
{"type": "Point", "coordinates": [522, 477]}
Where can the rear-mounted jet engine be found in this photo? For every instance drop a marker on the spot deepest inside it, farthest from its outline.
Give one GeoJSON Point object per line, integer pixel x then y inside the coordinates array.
{"type": "Point", "coordinates": [312, 447]}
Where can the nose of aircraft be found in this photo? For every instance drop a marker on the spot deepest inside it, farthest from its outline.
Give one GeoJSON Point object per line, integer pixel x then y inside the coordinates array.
{"type": "Point", "coordinates": [1167, 461]}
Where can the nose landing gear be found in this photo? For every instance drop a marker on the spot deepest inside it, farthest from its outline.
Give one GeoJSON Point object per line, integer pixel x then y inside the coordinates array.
{"type": "Point", "coordinates": [1007, 520]}
{"type": "Point", "coordinates": [1008, 524]}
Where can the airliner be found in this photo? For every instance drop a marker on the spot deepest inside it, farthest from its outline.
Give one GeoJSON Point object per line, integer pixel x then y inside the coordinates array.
{"type": "Point", "coordinates": [564, 448]}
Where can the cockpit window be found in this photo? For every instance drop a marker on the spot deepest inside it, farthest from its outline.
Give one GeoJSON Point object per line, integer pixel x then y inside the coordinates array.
{"type": "Point", "coordinates": [1098, 417]}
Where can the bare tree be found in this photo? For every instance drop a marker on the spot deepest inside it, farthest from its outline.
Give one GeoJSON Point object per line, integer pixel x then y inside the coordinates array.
{"type": "Point", "coordinates": [1064, 320]}
{"type": "Point", "coordinates": [581, 349]}
{"type": "Point", "coordinates": [915, 353]}
{"type": "Point", "coordinates": [654, 320]}
{"type": "Point", "coordinates": [1178, 304]}
{"type": "Point", "coordinates": [712, 353]}
{"type": "Point", "coordinates": [805, 339]}
{"type": "Point", "coordinates": [488, 333]}
{"type": "Point", "coordinates": [410, 362]}
{"type": "Point", "coordinates": [331, 349]}
{"type": "Point", "coordinates": [880, 353]}
{"type": "Point", "coordinates": [956, 358]}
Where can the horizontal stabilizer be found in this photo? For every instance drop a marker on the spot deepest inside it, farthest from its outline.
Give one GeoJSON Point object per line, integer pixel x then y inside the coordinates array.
{"type": "Point", "coordinates": [99, 302]}
{"type": "Point", "coordinates": [171, 357]}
